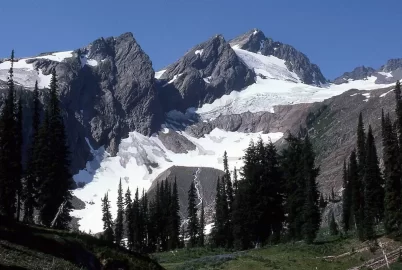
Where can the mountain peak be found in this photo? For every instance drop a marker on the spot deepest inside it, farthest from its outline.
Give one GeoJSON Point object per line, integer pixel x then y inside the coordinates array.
{"type": "Point", "coordinates": [250, 41]}
{"type": "Point", "coordinates": [392, 65]}
{"type": "Point", "coordinates": [255, 41]}
{"type": "Point", "coordinates": [359, 73]}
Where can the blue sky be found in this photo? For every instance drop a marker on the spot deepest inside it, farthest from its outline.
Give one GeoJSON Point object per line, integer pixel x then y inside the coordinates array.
{"type": "Point", "coordinates": [338, 35]}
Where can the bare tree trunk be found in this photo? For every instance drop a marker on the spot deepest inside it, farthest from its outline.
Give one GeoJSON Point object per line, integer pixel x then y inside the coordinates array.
{"type": "Point", "coordinates": [58, 213]}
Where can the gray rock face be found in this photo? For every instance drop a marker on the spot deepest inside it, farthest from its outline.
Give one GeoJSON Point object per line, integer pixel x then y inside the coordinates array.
{"type": "Point", "coordinates": [205, 73]}
{"type": "Point", "coordinates": [332, 125]}
{"type": "Point", "coordinates": [358, 73]}
{"type": "Point", "coordinates": [175, 142]}
{"type": "Point", "coordinates": [392, 65]}
{"type": "Point", "coordinates": [106, 90]}
{"type": "Point", "coordinates": [255, 41]}
{"type": "Point", "coordinates": [286, 118]}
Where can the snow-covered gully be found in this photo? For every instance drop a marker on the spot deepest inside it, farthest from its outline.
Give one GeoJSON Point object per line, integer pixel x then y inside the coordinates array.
{"type": "Point", "coordinates": [198, 187]}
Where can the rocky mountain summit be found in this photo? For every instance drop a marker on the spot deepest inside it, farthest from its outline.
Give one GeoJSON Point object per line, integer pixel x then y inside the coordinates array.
{"type": "Point", "coordinates": [359, 73]}
{"type": "Point", "coordinates": [206, 72]}
{"type": "Point", "coordinates": [255, 41]}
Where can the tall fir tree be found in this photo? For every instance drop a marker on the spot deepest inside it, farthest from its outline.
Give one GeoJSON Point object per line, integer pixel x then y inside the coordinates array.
{"type": "Point", "coordinates": [258, 212]}
{"type": "Point", "coordinates": [361, 160]}
{"type": "Point", "coordinates": [295, 185]}
{"type": "Point", "coordinates": [346, 199]}
{"type": "Point", "coordinates": [398, 111]}
{"type": "Point", "coordinates": [136, 222]}
{"type": "Point", "coordinates": [356, 188]}
{"type": "Point", "coordinates": [174, 220]}
{"type": "Point", "coordinates": [108, 233]}
{"type": "Point", "coordinates": [128, 214]}
{"type": "Point", "coordinates": [235, 180]}
{"type": "Point", "coordinates": [19, 170]}
{"type": "Point", "coordinates": [8, 183]}
{"type": "Point", "coordinates": [120, 213]}
{"type": "Point", "coordinates": [373, 191]}
{"type": "Point", "coordinates": [392, 175]}
{"type": "Point", "coordinates": [57, 183]}
{"type": "Point", "coordinates": [228, 181]}
{"type": "Point", "coordinates": [230, 200]}
{"type": "Point", "coordinates": [29, 191]}
{"type": "Point", "coordinates": [193, 224]}
{"type": "Point", "coordinates": [218, 232]}
{"type": "Point", "coordinates": [145, 220]}
{"type": "Point", "coordinates": [311, 211]}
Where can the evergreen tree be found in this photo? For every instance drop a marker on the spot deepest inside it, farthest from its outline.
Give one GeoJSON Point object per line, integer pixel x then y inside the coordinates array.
{"type": "Point", "coordinates": [356, 190]}
{"type": "Point", "coordinates": [108, 234]}
{"type": "Point", "coordinates": [373, 192]}
{"type": "Point", "coordinates": [311, 211]}
{"type": "Point", "coordinates": [29, 192]}
{"type": "Point", "coordinates": [8, 184]}
{"type": "Point", "coordinates": [333, 227]}
{"type": "Point", "coordinates": [398, 111]}
{"type": "Point", "coordinates": [392, 175]}
{"type": "Point", "coordinates": [235, 180]}
{"type": "Point", "coordinates": [145, 220]}
{"type": "Point", "coordinates": [57, 181]}
{"type": "Point", "coordinates": [201, 233]}
{"type": "Point", "coordinates": [240, 218]}
{"type": "Point", "coordinates": [228, 182]}
{"type": "Point", "coordinates": [136, 222]}
{"type": "Point", "coordinates": [174, 228]}
{"type": "Point", "coordinates": [128, 213]}
{"type": "Point", "coordinates": [346, 199]}
{"type": "Point", "coordinates": [230, 200]}
{"type": "Point", "coordinates": [218, 232]}
{"type": "Point", "coordinates": [274, 215]}
{"type": "Point", "coordinates": [18, 154]}
{"type": "Point", "coordinates": [193, 224]}
{"type": "Point", "coordinates": [120, 212]}
{"type": "Point", "coordinates": [258, 212]}
{"type": "Point", "coordinates": [295, 185]}
{"type": "Point", "coordinates": [361, 158]}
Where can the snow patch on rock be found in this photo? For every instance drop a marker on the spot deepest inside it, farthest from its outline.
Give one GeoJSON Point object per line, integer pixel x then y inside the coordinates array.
{"type": "Point", "coordinates": [199, 52]}
{"type": "Point", "coordinates": [159, 74]}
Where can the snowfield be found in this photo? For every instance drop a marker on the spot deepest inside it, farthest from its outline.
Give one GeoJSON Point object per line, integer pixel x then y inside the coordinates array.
{"type": "Point", "coordinates": [141, 159]}
{"type": "Point", "coordinates": [268, 66]}
{"type": "Point", "coordinates": [276, 86]}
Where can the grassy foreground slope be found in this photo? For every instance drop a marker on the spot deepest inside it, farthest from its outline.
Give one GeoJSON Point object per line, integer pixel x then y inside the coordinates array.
{"type": "Point", "coordinates": [29, 247]}
{"type": "Point", "coordinates": [331, 254]}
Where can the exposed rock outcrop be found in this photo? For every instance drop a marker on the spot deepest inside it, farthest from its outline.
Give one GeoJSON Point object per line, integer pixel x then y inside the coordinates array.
{"type": "Point", "coordinates": [205, 73]}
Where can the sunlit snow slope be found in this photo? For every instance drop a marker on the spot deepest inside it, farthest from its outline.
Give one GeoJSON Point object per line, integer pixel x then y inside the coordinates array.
{"type": "Point", "coordinates": [275, 85]}
{"type": "Point", "coordinates": [141, 159]}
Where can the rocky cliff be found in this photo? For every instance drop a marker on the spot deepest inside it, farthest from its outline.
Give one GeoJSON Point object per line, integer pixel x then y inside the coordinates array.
{"type": "Point", "coordinates": [205, 73]}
